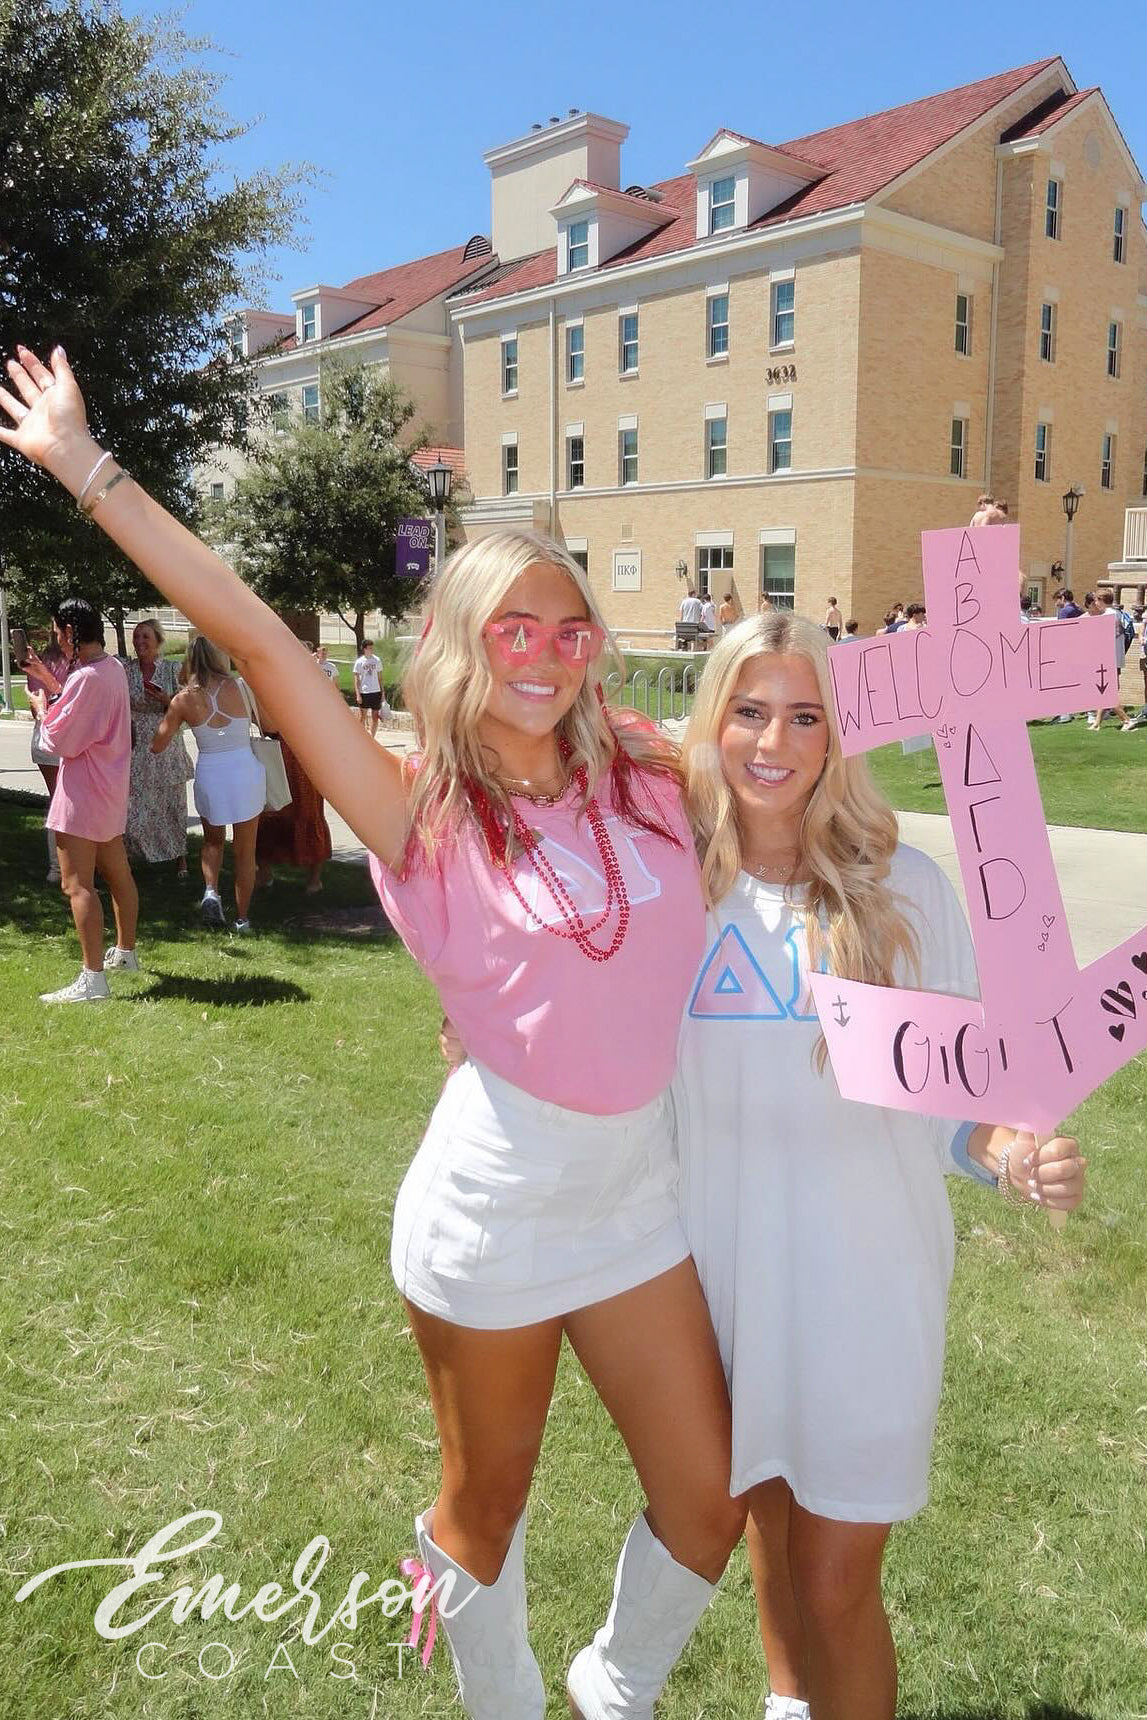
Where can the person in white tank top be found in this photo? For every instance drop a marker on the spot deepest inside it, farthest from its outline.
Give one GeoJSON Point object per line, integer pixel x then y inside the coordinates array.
{"type": "Point", "coordinates": [230, 782]}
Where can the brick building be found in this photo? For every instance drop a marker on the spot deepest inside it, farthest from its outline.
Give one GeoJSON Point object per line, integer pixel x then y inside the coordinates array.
{"type": "Point", "coordinates": [775, 369]}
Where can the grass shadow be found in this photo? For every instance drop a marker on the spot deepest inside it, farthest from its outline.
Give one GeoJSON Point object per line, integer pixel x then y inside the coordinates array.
{"type": "Point", "coordinates": [1038, 1711]}
{"type": "Point", "coordinates": [244, 991]}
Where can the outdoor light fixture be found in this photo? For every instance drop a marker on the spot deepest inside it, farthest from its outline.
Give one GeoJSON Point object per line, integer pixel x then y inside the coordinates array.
{"type": "Point", "coordinates": [681, 569]}
{"type": "Point", "coordinates": [439, 477]}
{"type": "Point", "coordinates": [1071, 503]}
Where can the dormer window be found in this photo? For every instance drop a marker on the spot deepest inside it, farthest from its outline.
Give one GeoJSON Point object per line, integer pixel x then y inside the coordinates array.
{"type": "Point", "coordinates": [235, 339]}
{"type": "Point", "coordinates": [579, 244]}
{"type": "Point", "coordinates": [722, 204]}
{"type": "Point", "coordinates": [595, 223]}
{"type": "Point", "coordinates": [309, 323]}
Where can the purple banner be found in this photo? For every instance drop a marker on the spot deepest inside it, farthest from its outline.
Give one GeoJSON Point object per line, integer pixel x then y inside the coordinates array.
{"type": "Point", "coordinates": [412, 548]}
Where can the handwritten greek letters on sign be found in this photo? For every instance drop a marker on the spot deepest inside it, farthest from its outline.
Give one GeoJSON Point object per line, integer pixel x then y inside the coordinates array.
{"type": "Point", "coordinates": [1046, 1032]}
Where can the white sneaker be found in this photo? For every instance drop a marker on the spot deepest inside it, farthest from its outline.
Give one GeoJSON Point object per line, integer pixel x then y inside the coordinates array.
{"type": "Point", "coordinates": [1125, 729]}
{"type": "Point", "coordinates": [785, 1708]}
{"type": "Point", "coordinates": [117, 958]}
{"type": "Point", "coordinates": [87, 987]}
{"type": "Point", "coordinates": [242, 927]}
{"type": "Point", "coordinates": [211, 909]}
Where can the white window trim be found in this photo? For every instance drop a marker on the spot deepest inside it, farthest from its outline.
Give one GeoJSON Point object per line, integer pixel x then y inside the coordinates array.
{"type": "Point", "coordinates": [577, 545]}
{"type": "Point", "coordinates": [622, 312]}
{"type": "Point", "coordinates": [713, 540]}
{"type": "Point", "coordinates": [716, 409]}
{"type": "Point", "coordinates": [508, 335]}
{"type": "Point", "coordinates": [779, 403]}
{"type": "Point", "coordinates": [969, 301]}
{"type": "Point", "coordinates": [575, 430]}
{"type": "Point", "coordinates": [776, 537]}
{"type": "Point", "coordinates": [780, 277]}
{"type": "Point", "coordinates": [716, 289]}
{"type": "Point", "coordinates": [509, 438]}
{"type": "Point", "coordinates": [628, 421]}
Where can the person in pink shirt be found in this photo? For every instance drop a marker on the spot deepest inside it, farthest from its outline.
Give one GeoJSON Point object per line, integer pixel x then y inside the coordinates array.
{"type": "Point", "coordinates": [539, 865]}
{"type": "Point", "coordinates": [88, 729]}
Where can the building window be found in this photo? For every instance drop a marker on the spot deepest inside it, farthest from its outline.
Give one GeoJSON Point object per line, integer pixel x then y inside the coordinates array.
{"type": "Point", "coordinates": [575, 462]}
{"type": "Point", "coordinates": [510, 366]}
{"type": "Point", "coordinates": [279, 412]}
{"type": "Point", "coordinates": [217, 492]}
{"type": "Point", "coordinates": [578, 238]}
{"type": "Point", "coordinates": [784, 312]}
{"type": "Point", "coordinates": [235, 339]}
{"type": "Point", "coordinates": [1120, 247]}
{"type": "Point", "coordinates": [958, 454]}
{"type": "Point", "coordinates": [1107, 464]}
{"type": "Point", "coordinates": [575, 353]}
{"type": "Point", "coordinates": [627, 456]}
{"type": "Point", "coordinates": [964, 324]}
{"type": "Point", "coordinates": [1145, 471]}
{"type": "Point", "coordinates": [581, 556]}
{"type": "Point", "coordinates": [717, 318]}
{"type": "Point", "coordinates": [778, 574]}
{"type": "Point", "coordinates": [722, 204]}
{"type": "Point", "coordinates": [310, 313]}
{"type": "Point", "coordinates": [716, 447]}
{"type": "Point", "coordinates": [1114, 343]}
{"type": "Point", "coordinates": [627, 343]}
{"type": "Point", "coordinates": [1052, 220]}
{"type": "Point", "coordinates": [509, 468]}
{"type": "Point", "coordinates": [311, 403]}
{"type": "Point", "coordinates": [780, 440]}
{"type": "Point", "coordinates": [711, 559]}
{"type": "Point", "coordinates": [1047, 333]}
{"type": "Point", "coordinates": [1043, 453]}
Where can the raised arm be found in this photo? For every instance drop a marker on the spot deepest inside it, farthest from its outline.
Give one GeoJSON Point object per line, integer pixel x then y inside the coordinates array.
{"type": "Point", "coordinates": [172, 721]}
{"type": "Point", "coordinates": [47, 423]}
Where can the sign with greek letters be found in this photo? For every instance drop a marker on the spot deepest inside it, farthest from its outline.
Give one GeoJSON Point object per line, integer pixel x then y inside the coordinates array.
{"type": "Point", "coordinates": [1045, 1032]}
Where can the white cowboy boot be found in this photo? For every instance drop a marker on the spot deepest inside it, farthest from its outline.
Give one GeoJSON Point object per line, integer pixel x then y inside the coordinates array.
{"type": "Point", "coordinates": [498, 1677]}
{"type": "Point", "coordinates": [656, 1605]}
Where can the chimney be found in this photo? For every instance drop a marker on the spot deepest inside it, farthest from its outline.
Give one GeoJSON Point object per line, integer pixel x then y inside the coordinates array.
{"type": "Point", "coordinates": [528, 176]}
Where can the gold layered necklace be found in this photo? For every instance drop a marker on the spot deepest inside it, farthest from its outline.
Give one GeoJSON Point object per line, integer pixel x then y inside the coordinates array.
{"type": "Point", "coordinates": [526, 790]}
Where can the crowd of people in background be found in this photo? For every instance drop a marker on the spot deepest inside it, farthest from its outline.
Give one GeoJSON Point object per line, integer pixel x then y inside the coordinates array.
{"type": "Point", "coordinates": [108, 740]}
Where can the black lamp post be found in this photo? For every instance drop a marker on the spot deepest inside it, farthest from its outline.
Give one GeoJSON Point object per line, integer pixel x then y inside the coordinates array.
{"type": "Point", "coordinates": [1071, 501]}
{"type": "Point", "coordinates": [439, 477]}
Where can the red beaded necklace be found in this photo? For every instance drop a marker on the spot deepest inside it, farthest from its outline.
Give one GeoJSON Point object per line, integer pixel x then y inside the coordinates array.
{"type": "Point", "coordinates": [575, 928]}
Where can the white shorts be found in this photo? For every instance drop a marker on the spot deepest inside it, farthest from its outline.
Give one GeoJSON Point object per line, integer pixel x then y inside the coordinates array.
{"type": "Point", "coordinates": [515, 1210]}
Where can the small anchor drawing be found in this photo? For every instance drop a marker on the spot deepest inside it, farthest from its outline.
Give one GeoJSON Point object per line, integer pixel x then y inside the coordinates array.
{"type": "Point", "coordinates": [843, 1019]}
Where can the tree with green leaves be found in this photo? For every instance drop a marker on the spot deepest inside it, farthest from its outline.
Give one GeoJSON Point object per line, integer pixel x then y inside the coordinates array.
{"type": "Point", "coordinates": [313, 523]}
{"type": "Point", "coordinates": [121, 240]}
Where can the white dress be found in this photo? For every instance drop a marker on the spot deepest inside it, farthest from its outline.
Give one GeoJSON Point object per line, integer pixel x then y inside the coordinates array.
{"type": "Point", "coordinates": [821, 1228]}
{"type": "Point", "coordinates": [230, 782]}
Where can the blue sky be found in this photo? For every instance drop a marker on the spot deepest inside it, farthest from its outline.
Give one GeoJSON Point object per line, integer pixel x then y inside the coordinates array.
{"type": "Point", "coordinates": [394, 104]}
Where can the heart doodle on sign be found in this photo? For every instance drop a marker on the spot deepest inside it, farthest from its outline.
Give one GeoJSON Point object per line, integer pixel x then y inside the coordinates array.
{"type": "Point", "coordinates": [1049, 920]}
{"type": "Point", "coordinates": [1119, 999]}
{"type": "Point", "coordinates": [1116, 1030]}
{"type": "Point", "coordinates": [1140, 961]}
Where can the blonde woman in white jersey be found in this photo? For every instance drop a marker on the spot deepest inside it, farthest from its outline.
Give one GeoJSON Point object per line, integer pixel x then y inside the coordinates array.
{"type": "Point", "coordinates": [821, 1228]}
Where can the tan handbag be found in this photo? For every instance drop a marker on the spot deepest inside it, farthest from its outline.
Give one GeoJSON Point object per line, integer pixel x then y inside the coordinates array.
{"type": "Point", "coordinates": [268, 752]}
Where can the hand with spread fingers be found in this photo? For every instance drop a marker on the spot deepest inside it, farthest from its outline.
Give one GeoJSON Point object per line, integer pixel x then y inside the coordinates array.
{"type": "Point", "coordinates": [44, 416]}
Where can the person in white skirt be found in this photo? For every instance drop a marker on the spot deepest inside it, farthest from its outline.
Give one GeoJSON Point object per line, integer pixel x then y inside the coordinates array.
{"type": "Point", "coordinates": [230, 782]}
{"type": "Point", "coordinates": [820, 1227]}
{"type": "Point", "coordinates": [539, 866]}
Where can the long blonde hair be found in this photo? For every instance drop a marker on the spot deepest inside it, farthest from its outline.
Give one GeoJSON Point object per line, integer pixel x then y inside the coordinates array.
{"type": "Point", "coordinates": [848, 834]}
{"type": "Point", "coordinates": [203, 662]}
{"type": "Point", "coordinates": [448, 682]}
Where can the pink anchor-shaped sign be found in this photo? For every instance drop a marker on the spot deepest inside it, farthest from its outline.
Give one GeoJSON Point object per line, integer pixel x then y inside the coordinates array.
{"type": "Point", "coordinates": [1045, 1032]}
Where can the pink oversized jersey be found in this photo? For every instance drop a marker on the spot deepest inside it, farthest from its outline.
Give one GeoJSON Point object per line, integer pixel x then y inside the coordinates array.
{"type": "Point", "coordinates": [598, 1037]}
{"type": "Point", "coordinates": [89, 730]}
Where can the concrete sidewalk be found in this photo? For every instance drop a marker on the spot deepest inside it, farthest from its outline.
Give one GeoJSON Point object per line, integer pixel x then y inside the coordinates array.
{"type": "Point", "coordinates": [1102, 873]}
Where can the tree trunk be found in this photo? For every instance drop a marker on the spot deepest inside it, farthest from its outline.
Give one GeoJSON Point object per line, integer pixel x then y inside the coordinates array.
{"type": "Point", "coordinates": [357, 627]}
{"type": "Point", "coordinates": [120, 636]}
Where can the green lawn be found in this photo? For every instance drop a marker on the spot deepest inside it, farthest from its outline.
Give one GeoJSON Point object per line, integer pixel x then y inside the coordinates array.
{"type": "Point", "coordinates": [198, 1314]}
{"type": "Point", "coordinates": [1087, 779]}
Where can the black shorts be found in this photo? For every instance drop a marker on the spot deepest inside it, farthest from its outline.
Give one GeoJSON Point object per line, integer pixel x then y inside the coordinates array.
{"type": "Point", "coordinates": [833, 632]}
{"type": "Point", "coordinates": [372, 701]}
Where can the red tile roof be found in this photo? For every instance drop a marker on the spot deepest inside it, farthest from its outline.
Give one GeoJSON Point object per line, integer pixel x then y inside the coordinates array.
{"type": "Point", "coordinates": [397, 291]}
{"type": "Point", "coordinates": [455, 458]}
{"type": "Point", "coordinates": [858, 160]}
{"type": "Point", "coordinates": [1047, 114]}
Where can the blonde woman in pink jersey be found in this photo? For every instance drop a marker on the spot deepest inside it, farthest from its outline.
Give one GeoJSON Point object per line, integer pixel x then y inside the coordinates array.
{"type": "Point", "coordinates": [539, 867]}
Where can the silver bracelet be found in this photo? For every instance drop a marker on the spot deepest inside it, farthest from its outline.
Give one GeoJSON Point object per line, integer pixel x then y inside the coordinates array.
{"type": "Point", "coordinates": [90, 479]}
{"type": "Point", "coordinates": [1004, 1182]}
